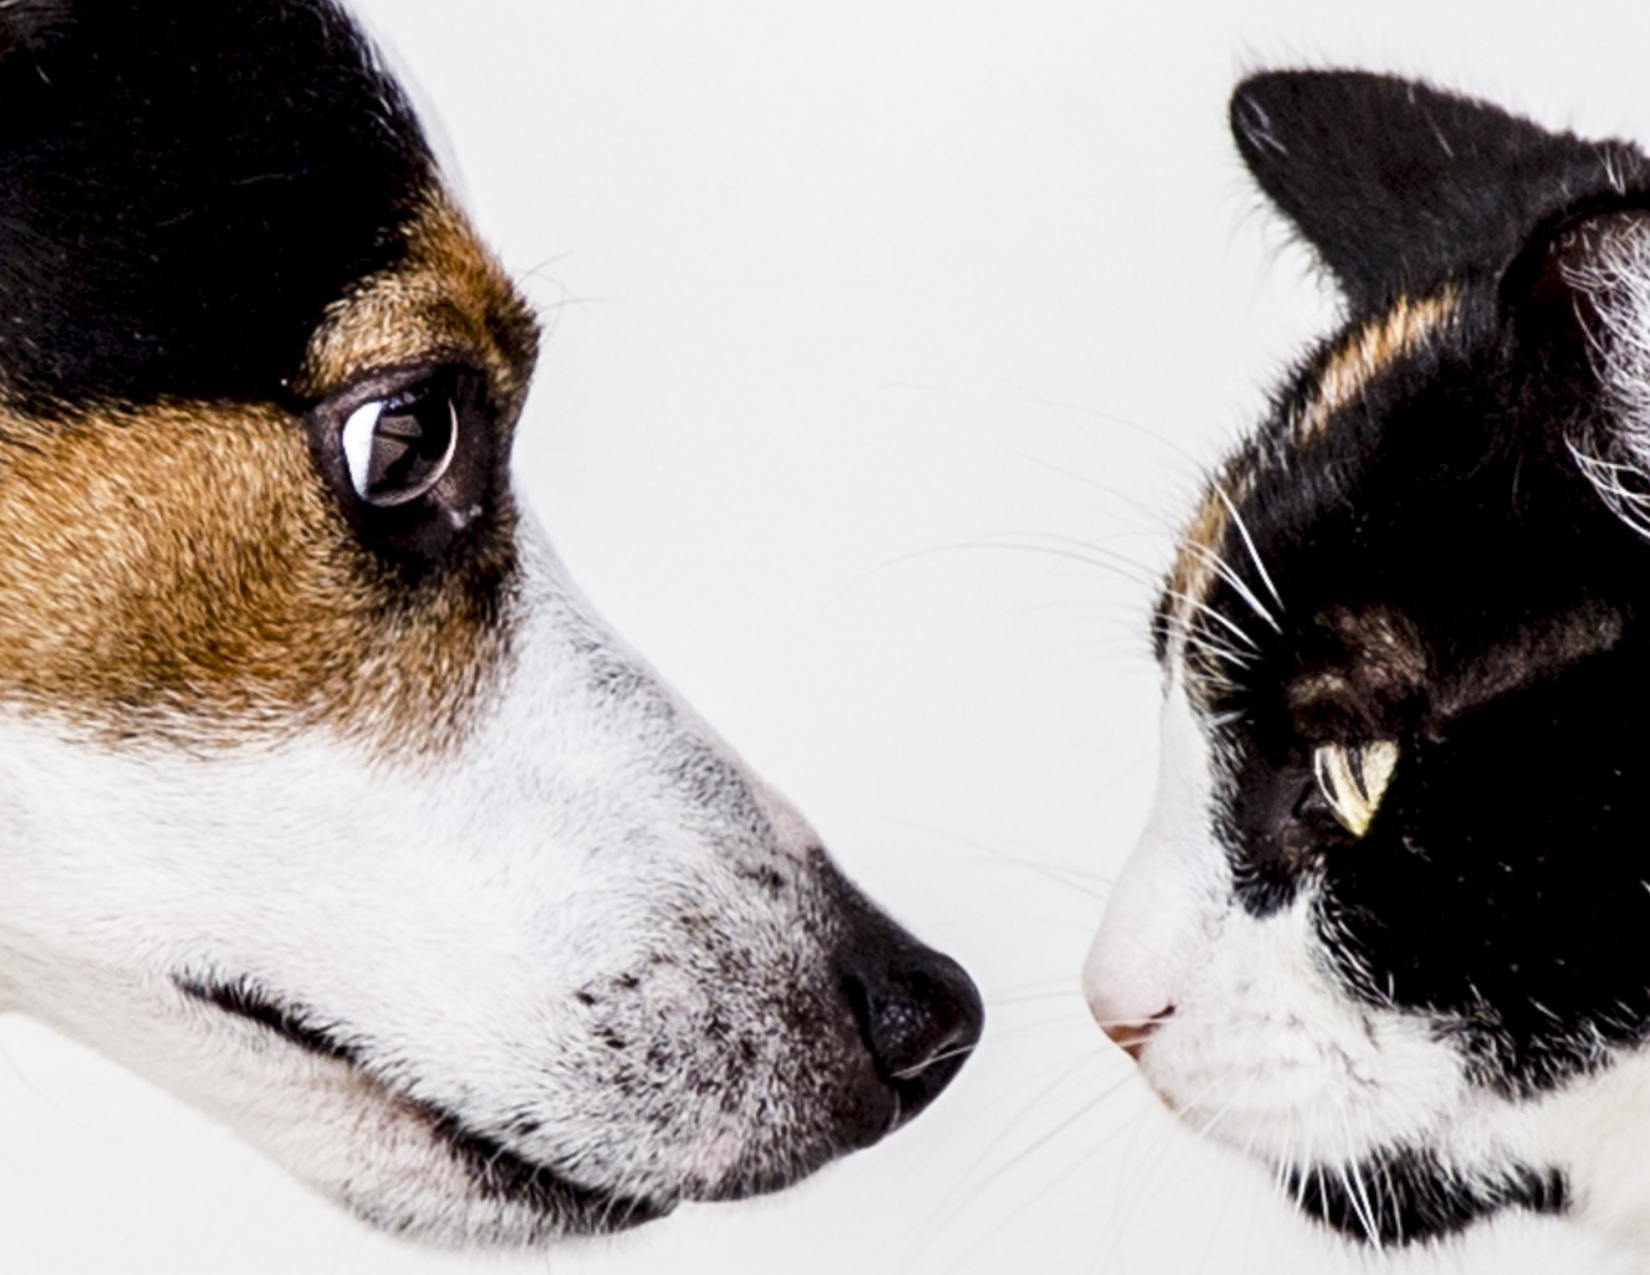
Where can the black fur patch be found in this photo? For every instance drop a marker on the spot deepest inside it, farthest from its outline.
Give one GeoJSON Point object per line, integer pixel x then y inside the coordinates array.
{"type": "Point", "coordinates": [1404, 1196]}
{"type": "Point", "coordinates": [187, 185]}
{"type": "Point", "coordinates": [1503, 887]}
{"type": "Point", "coordinates": [1399, 186]}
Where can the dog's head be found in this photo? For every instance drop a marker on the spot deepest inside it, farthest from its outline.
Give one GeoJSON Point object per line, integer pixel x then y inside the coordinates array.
{"type": "Point", "coordinates": [324, 798]}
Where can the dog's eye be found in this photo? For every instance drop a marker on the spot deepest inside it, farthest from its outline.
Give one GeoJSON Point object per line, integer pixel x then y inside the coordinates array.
{"type": "Point", "coordinates": [415, 456]}
{"type": "Point", "coordinates": [397, 448]}
{"type": "Point", "coordinates": [1353, 778]}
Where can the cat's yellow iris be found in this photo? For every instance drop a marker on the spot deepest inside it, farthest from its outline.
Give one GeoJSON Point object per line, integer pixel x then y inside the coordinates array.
{"type": "Point", "coordinates": [1353, 778]}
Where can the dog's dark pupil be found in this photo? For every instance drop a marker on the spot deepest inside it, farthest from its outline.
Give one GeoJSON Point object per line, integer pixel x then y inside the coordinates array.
{"type": "Point", "coordinates": [409, 445]}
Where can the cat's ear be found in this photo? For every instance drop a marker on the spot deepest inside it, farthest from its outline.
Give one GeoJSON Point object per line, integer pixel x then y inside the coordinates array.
{"type": "Point", "coordinates": [1579, 305]}
{"type": "Point", "coordinates": [1400, 187]}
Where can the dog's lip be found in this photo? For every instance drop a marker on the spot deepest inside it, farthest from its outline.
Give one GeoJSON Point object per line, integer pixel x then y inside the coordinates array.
{"type": "Point", "coordinates": [494, 1169]}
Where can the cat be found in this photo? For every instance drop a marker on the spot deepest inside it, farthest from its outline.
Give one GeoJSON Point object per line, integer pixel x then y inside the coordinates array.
{"type": "Point", "coordinates": [1388, 926]}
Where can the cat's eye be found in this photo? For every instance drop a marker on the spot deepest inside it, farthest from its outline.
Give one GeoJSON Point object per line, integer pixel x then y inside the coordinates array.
{"type": "Point", "coordinates": [397, 448]}
{"type": "Point", "coordinates": [1353, 778]}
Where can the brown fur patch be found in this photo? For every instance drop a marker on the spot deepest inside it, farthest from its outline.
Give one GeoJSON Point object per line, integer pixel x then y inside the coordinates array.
{"type": "Point", "coordinates": [1373, 664]}
{"type": "Point", "coordinates": [449, 299]}
{"type": "Point", "coordinates": [1195, 565]}
{"type": "Point", "coordinates": [1366, 352]}
{"type": "Point", "coordinates": [1353, 365]}
{"type": "Point", "coordinates": [183, 572]}
{"type": "Point", "coordinates": [1193, 568]}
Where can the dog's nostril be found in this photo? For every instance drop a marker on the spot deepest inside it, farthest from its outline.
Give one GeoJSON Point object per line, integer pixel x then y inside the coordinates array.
{"type": "Point", "coordinates": [920, 1016]}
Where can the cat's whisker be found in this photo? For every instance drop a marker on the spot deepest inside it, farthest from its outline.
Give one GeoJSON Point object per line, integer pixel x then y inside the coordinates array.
{"type": "Point", "coordinates": [1283, 1166]}
{"type": "Point", "coordinates": [1096, 1148]}
{"type": "Point", "coordinates": [1205, 1131]}
{"type": "Point", "coordinates": [1254, 553]}
{"type": "Point", "coordinates": [1064, 1025]}
{"type": "Point", "coordinates": [1207, 644]}
{"type": "Point", "coordinates": [1218, 650]}
{"type": "Point", "coordinates": [1093, 885]}
{"type": "Point", "coordinates": [1367, 1208]}
{"type": "Point", "coordinates": [1088, 551]}
{"type": "Point", "coordinates": [1048, 1080]}
{"type": "Point", "coordinates": [1203, 608]}
{"type": "Point", "coordinates": [1384, 1194]}
{"type": "Point", "coordinates": [1218, 564]}
{"type": "Point", "coordinates": [1064, 982]}
{"type": "Point", "coordinates": [1208, 680]}
{"type": "Point", "coordinates": [1609, 479]}
{"type": "Point", "coordinates": [1392, 1195]}
{"type": "Point", "coordinates": [1155, 522]}
{"type": "Point", "coordinates": [1362, 1206]}
{"type": "Point", "coordinates": [1000, 1000]}
{"type": "Point", "coordinates": [965, 1194]}
{"type": "Point", "coordinates": [1093, 556]}
{"type": "Point", "coordinates": [1212, 687]}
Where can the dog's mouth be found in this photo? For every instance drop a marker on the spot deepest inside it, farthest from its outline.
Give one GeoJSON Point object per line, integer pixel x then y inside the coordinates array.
{"type": "Point", "coordinates": [495, 1172]}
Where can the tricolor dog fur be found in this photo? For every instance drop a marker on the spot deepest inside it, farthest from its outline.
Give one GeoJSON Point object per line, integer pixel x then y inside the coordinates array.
{"type": "Point", "coordinates": [325, 800]}
{"type": "Point", "coordinates": [1389, 925]}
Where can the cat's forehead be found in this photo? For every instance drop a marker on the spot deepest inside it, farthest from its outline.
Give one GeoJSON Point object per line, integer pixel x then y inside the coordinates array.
{"type": "Point", "coordinates": [1352, 363]}
{"type": "Point", "coordinates": [1405, 536]}
{"type": "Point", "coordinates": [1285, 468]}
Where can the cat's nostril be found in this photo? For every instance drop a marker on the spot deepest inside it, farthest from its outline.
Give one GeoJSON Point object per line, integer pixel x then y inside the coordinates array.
{"type": "Point", "coordinates": [920, 1016]}
{"type": "Point", "coordinates": [1131, 1036]}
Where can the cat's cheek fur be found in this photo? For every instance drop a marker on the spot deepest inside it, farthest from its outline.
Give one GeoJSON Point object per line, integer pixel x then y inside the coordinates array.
{"type": "Point", "coordinates": [1595, 1131]}
{"type": "Point", "coordinates": [1257, 1043]}
{"type": "Point", "coordinates": [1250, 1031]}
{"type": "Point", "coordinates": [1265, 1051]}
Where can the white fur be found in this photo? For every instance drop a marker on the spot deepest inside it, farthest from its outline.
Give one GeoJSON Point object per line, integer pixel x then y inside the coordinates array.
{"type": "Point", "coordinates": [1172, 896]}
{"type": "Point", "coordinates": [1265, 1051]}
{"type": "Point", "coordinates": [443, 917]}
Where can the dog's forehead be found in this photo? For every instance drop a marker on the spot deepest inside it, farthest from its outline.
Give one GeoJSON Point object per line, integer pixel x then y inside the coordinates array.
{"type": "Point", "coordinates": [190, 186]}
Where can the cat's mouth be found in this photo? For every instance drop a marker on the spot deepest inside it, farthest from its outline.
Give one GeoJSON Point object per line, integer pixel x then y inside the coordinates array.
{"type": "Point", "coordinates": [1131, 1035]}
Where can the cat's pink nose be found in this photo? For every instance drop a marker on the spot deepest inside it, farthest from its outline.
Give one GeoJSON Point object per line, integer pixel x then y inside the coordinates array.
{"type": "Point", "coordinates": [1128, 985]}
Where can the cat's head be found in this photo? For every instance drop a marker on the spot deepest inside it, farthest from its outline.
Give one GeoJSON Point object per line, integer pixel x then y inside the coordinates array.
{"type": "Point", "coordinates": [1389, 924]}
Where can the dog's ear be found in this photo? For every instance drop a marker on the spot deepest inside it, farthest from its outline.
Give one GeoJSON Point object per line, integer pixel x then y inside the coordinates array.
{"type": "Point", "coordinates": [1399, 186]}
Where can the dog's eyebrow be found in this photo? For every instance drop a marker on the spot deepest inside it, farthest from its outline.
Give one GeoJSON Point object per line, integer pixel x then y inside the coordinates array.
{"type": "Point", "coordinates": [447, 298]}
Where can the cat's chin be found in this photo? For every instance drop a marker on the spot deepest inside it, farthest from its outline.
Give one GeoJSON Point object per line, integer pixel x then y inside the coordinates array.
{"type": "Point", "coordinates": [1403, 1196]}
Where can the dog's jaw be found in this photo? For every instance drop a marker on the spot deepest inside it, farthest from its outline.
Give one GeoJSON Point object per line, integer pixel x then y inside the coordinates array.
{"type": "Point", "coordinates": [588, 937]}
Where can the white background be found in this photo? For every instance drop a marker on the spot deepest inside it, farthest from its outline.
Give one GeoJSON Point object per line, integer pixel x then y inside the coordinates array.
{"type": "Point", "coordinates": [886, 343]}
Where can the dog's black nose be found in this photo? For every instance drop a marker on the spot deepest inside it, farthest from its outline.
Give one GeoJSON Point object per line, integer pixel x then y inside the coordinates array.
{"type": "Point", "coordinates": [919, 1015]}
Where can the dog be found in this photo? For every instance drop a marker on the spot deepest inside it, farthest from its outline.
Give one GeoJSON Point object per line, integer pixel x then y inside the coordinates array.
{"type": "Point", "coordinates": [327, 801]}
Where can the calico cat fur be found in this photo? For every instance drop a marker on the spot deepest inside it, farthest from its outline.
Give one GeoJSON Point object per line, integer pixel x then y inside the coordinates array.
{"type": "Point", "coordinates": [1389, 924]}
